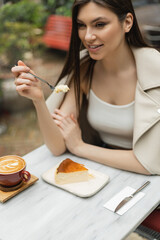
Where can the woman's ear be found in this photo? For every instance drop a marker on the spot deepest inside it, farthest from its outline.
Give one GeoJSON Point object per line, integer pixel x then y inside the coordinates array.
{"type": "Point", "coordinates": [128, 22]}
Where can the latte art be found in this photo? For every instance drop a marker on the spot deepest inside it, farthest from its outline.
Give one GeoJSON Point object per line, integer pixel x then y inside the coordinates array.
{"type": "Point", "coordinates": [11, 165]}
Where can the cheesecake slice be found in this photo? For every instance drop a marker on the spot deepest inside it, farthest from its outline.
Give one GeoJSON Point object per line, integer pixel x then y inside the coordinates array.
{"type": "Point", "coordinates": [71, 172]}
{"type": "Point", "coordinates": [61, 88]}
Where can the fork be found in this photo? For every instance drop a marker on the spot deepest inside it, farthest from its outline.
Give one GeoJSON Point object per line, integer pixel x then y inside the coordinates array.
{"type": "Point", "coordinates": [51, 87]}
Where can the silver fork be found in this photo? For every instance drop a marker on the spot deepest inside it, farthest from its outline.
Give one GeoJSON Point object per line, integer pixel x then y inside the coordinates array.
{"type": "Point", "coordinates": [51, 87]}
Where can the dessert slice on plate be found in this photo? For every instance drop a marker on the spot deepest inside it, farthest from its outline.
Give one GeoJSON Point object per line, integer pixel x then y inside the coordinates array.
{"type": "Point", "coordinates": [71, 172]}
{"type": "Point", "coordinates": [76, 178]}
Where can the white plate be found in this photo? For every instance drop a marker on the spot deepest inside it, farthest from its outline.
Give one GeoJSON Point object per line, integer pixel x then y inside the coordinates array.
{"type": "Point", "coordinates": [81, 189]}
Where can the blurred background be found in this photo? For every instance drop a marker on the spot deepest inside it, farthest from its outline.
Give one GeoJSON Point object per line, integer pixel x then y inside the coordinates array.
{"type": "Point", "coordinates": [38, 32]}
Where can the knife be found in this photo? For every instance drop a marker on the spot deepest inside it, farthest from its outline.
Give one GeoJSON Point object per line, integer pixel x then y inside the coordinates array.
{"type": "Point", "coordinates": [127, 199]}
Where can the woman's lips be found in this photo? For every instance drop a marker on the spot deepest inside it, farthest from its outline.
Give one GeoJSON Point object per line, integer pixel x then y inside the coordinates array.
{"type": "Point", "coordinates": [94, 48]}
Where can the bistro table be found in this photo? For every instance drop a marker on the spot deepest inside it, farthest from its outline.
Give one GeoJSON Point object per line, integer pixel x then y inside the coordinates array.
{"type": "Point", "coordinates": [45, 212]}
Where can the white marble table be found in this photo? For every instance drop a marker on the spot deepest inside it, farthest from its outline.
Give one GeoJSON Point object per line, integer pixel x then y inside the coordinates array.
{"type": "Point", "coordinates": [45, 212]}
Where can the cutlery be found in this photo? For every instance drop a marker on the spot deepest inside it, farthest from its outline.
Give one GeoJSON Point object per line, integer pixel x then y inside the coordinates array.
{"type": "Point", "coordinates": [51, 87]}
{"type": "Point", "coordinates": [127, 199]}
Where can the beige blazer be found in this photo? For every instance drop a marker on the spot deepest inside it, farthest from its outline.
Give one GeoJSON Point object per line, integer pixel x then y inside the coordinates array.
{"type": "Point", "coordinates": [146, 133]}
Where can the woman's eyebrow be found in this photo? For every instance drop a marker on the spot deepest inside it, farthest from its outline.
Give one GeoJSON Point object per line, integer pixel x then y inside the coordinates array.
{"type": "Point", "coordinates": [94, 20]}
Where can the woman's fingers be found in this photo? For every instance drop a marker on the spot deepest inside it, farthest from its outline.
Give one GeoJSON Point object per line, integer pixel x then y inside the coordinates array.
{"type": "Point", "coordinates": [67, 123]}
{"type": "Point", "coordinates": [22, 88]}
{"type": "Point", "coordinates": [56, 117]}
{"type": "Point", "coordinates": [60, 113]}
{"type": "Point", "coordinates": [20, 63]}
{"type": "Point", "coordinates": [62, 122]}
{"type": "Point", "coordinates": [73, 118]}
{"type": "Point", "coordinates": [26, 84]}
{"type": "Point", "coordinates": [28, 76]}
{"type": "Point", "coordinates": [60, 116]}
{"type": "Point", "coordinates": [21, 67]}
{"type": "Point", "coordinates": [25, 78]}
{"type": "Point", "coordinates": [16, 70]}
{"type": "Point", "coordinates": [20, 81]}
{"type": "Point", "coordinates": [59, 124]}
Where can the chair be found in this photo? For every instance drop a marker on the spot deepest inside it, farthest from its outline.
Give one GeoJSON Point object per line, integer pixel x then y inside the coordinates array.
{"type": "Point", "coordinates": [150, 227]}
{"type": "Point", "coordinates": [57, 32]}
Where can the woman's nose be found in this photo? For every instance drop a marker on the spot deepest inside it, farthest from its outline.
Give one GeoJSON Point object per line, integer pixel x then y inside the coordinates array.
{"type": "Point", "coordinates": [89, 35]}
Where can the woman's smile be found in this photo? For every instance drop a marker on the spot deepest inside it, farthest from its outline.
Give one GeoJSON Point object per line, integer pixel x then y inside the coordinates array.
{"type": "Point", "coordinates": [94, 48]}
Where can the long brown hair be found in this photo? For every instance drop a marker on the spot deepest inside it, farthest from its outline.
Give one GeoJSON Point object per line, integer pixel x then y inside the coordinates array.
{"type": "Point", "coordinates": [72, 65]}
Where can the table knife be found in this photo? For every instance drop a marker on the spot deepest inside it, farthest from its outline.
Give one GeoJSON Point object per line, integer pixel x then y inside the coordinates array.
{"type": "Point", "coordinates": [127, 199]}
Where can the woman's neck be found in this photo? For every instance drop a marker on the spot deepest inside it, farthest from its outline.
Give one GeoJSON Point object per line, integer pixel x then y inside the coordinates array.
{"type": "Point", "coordinates": [119, 61]}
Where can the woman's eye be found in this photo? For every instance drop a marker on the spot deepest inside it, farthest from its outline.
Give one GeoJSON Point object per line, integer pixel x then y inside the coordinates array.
{"type": "Point", "coordinates": [80, 25]}
{"type": "Point", "coordinates": [100, 25]}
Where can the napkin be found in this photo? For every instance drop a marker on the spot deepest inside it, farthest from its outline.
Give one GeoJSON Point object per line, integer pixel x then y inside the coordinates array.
{"type": "Point", "coordinates": [114, 201]}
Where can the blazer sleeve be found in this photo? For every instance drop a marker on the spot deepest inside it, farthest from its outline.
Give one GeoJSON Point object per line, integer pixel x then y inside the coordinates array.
{"type": "Point", "coordinates": [55, 99]}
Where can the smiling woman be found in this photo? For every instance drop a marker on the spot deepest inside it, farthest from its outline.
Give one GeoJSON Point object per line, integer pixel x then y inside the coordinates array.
{"type": "Point", "coordinates": [113, 76]}
{"type": "Point", "coordinates": [103, 34]}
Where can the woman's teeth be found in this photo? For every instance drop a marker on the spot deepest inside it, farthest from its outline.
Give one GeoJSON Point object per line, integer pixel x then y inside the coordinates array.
{"type": "Point", "coordinates": [93, 47]}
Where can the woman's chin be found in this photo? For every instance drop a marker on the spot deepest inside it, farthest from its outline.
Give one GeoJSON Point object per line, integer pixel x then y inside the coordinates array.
{"type": "Point", "coordinates": [95, 57]}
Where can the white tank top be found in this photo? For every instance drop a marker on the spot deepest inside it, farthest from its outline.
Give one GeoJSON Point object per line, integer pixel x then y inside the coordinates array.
{"type": "Point", "coordinates": [113, 122]}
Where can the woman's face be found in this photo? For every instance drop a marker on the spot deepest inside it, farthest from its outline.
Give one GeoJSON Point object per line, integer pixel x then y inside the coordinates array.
{"type": "Point", "coordinates": [100, 30]}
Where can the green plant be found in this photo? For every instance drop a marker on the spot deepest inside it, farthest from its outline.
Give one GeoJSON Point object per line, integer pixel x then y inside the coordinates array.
{"type": "Point", "coordinates": [24, 11]}
{"type": "Point", "coordinates": [20, 29]}
{"type": "Point", "coordinates": [15, 41]}
{"type": "Point", "coordinates": [61, 7]}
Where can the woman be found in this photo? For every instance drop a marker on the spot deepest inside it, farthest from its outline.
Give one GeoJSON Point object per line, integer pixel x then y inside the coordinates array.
{"type": "Point", "coordinates": [114, 85]}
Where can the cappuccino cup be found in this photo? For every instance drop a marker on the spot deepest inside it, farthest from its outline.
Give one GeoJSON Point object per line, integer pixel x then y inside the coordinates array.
{"type": "Point", "coordinates": [12, 171]}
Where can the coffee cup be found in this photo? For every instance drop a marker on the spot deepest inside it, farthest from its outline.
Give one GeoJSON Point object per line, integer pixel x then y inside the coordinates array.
{"type": "Point", "coordinates": [12, 171]}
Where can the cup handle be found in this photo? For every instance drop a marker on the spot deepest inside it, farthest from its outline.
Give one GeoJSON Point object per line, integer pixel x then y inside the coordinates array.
{"type": "Point", "coordinates": [26, 176]}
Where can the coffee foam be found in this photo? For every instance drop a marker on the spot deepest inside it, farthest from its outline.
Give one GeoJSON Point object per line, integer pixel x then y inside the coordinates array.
{"type": "Point", "coordinates": [11, 165]}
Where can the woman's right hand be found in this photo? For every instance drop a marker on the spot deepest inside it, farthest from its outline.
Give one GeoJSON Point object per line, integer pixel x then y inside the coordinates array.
{"type": "Point", "coordinates": [27, 85]}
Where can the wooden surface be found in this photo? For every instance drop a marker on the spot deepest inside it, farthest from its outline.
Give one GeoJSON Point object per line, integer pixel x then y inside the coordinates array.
{"type": "Point", "coordinates": [4, 196]}
{"type": "Point", "coordinates": [47, 212]}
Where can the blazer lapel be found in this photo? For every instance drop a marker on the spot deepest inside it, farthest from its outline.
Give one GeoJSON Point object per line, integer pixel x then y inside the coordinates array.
{"type": "Point", "coordinates": [147, 98]}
